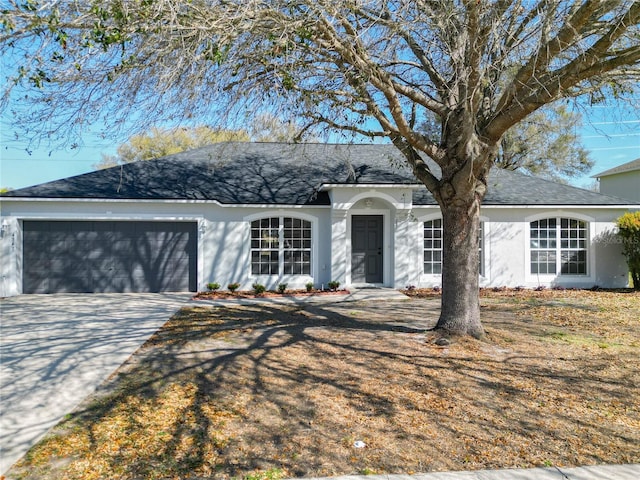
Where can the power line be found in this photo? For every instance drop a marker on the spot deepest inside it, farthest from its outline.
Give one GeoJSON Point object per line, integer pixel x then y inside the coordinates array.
{"type": "Point", "coordinates": [612, 135]}
{"type": "Point", "coordinates": [613, 123]}
{"type": "Point", "coordinates": [615, 148]}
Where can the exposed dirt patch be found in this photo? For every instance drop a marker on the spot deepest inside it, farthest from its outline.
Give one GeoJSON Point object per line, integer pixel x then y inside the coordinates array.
{"type": "Point", "coordinates": [226, 392]}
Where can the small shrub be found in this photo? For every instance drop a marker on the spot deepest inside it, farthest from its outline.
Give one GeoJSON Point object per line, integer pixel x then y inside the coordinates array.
{"type": "Point", "coordinates": [309, 286]}
{"type": "Point", "coordinates": [258, 288]}
{"type": "Point", "coordinates": [282, 287]}
{"type": "Point", "coordinates": [540, 288]}
{"type": "Point", "coordinates": [232, 287]}
{"type": "Point", "coordinates": [367, 471]}
{"type": "Point", "coordinates": [212, 286]}
{"type": "Point", "coordinates": [559, 288]}
{"type": "Point", "coordinates": [410, 288]}
{"type": "Point", "coordinates": [271, 474]}
{"type": "Point", "coordinates": [519, 288]}
{"type": "Point", "coordinates": [333, 285]}
{"type": "Point", "coordinates": [629, 231]}
{"type": "Point", "coordinates": [436, 288]}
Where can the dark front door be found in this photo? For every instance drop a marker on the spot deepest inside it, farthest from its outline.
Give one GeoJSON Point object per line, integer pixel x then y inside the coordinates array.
{"type": "Point", "coordinates": [85, 256]}
{"type": "Point", "coordinates": [366, 248]}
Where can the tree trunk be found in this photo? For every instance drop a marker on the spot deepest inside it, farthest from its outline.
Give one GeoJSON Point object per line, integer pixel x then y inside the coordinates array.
{"type": "Point", "coordinates": [460, 312]}
{"type": "Point", "coordinates": [460, 193]}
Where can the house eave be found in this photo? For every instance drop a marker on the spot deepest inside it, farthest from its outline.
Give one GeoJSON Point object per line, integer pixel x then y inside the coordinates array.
{"type": "Point", "coordinates": [160, 201]}
{"type": "Point", "coordinates": [328, 186]}
{"type": "Point", "coordinates": [629, 167]}
{"type": "Point", "coordinates": [564, 206]}
{"type": "Point", "coordinates": [298, 206]}
{"type": "Point", "coordinates": [556, 206]}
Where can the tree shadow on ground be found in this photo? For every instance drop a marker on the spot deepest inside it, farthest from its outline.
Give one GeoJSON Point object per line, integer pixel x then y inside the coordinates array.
{"type": "Point", "coordinates": [226, 391]}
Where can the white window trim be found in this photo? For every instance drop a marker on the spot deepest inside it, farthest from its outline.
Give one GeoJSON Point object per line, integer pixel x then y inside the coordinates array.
{"type": "Point", "coordinates": [281, 277]}
{"type": "Point", "coordinates": [486, 246]}
{"type": "Point", "coordinates": [550, 279]}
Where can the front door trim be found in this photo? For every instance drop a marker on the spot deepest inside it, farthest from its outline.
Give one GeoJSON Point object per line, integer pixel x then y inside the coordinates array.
{"type": "Point", "coordinates": [387, 252]}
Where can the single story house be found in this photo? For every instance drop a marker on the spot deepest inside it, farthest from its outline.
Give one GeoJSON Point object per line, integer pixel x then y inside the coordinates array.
{"type": "Point", "coordinates": [292, 213]}
{"type": "Point", "coordinates": [622, 181]}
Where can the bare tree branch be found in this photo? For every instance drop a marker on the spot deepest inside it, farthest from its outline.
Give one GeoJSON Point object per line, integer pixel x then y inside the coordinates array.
{"type": "Point", "coordinates": [372, 68]}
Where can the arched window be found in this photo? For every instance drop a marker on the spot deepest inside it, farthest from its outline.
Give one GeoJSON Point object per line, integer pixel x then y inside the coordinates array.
{"type": "Point", "coordinates": [280, 244]}
{"type": "Point", "coordinates": [558, 246]}
{"type": "Point", "coordinates": [433, 247]}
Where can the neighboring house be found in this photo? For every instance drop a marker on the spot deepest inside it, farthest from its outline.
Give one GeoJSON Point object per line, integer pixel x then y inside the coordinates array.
{"type": "Point", "coordinates": [283, 213]}
{"type": "Point", "coordinates": [622, 181]}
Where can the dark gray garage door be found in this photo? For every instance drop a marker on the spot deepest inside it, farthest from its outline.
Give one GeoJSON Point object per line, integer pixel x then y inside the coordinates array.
{"type": "Point", "coordinates": [70, 256]}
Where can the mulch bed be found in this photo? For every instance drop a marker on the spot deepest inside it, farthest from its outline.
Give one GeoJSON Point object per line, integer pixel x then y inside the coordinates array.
{"type": "Point", "coordinates": [243, 294]}
{"type": "Point", "coordinates": [518, 292]}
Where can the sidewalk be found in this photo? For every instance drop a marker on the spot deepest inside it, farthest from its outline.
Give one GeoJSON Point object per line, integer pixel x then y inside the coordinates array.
{"type": "Point", "coordinates": [598, 472]}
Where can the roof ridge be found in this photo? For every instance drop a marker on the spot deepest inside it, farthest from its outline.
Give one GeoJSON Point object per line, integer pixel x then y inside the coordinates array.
{"type": "Point", "coordinates": [631, 166]}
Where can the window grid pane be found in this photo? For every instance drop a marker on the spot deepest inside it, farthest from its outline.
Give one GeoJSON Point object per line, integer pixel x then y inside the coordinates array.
{"type": "Point", "coordinates": [265, 245]}
{"type": "Point", "coordinates": [297, 246]}
{"type": "Point", "coordinates": [569, 255]}
{"type": "Point", "coordinates": [433, 247]}
{"type": "Point", "coordinates": [277, 240]}
{"type": "Point", "coordinates": [573, 253]}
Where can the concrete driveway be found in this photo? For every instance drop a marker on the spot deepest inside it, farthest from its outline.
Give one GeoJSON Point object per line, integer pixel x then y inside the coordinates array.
{"type": "Point", "coordinates": [56, 349]}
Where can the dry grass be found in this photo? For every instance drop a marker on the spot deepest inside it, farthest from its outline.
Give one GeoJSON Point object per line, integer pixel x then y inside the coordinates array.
{"type": "Point", "coordinates": [269, 391]}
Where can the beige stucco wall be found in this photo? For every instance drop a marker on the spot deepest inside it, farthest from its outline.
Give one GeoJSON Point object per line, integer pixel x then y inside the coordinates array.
{"type": "Point", "coordinates": [623, 185]}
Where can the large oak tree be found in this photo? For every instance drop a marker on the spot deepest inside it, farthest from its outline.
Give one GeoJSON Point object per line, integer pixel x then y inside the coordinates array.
{"type": "Point", "coordinates": [371, 68]}
{"type": "Point", "coordinates": [546, 144]}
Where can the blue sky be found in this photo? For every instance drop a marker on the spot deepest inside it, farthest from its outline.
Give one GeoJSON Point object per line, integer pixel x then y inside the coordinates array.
{"type": "Point", "coordinates": [610, 133]}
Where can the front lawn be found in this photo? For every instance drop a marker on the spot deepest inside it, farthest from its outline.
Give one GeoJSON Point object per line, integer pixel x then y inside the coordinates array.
{"type": "Point", "coordinates": [281, 391]}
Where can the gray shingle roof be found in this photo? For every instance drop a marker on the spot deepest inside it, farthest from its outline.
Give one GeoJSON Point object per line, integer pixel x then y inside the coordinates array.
{"type": "Point", "coordinates": [631, 166]}
{"type": "Point", "coordinates": [287, 174]}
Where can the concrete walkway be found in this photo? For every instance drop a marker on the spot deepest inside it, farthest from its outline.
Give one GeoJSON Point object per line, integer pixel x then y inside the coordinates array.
{"type": "Point", "coordinates": [599, 472]}
{"type": "Point", "coordinates": [56, 349]}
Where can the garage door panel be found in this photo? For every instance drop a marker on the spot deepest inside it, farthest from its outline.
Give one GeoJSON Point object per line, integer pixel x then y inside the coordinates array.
{"type": "Point", "coordinates": [69, 284]}
{"type": "Point", "coordinates": [39, 283]}
{"type": "Point", "coordinates": [61, 265]}
{"type": "Point", "coordinates": [109, 256]}
{"type": "Point", "coordinates": [173, 268]}
{"type": "Point", "coordinates": [36, 240]}
{"type": "Point", "coordinates": [84, 238]}
{"type": "Point", "coordinates": [40, 256]}
{"type": "Point", "coordinates": [99, 256]}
